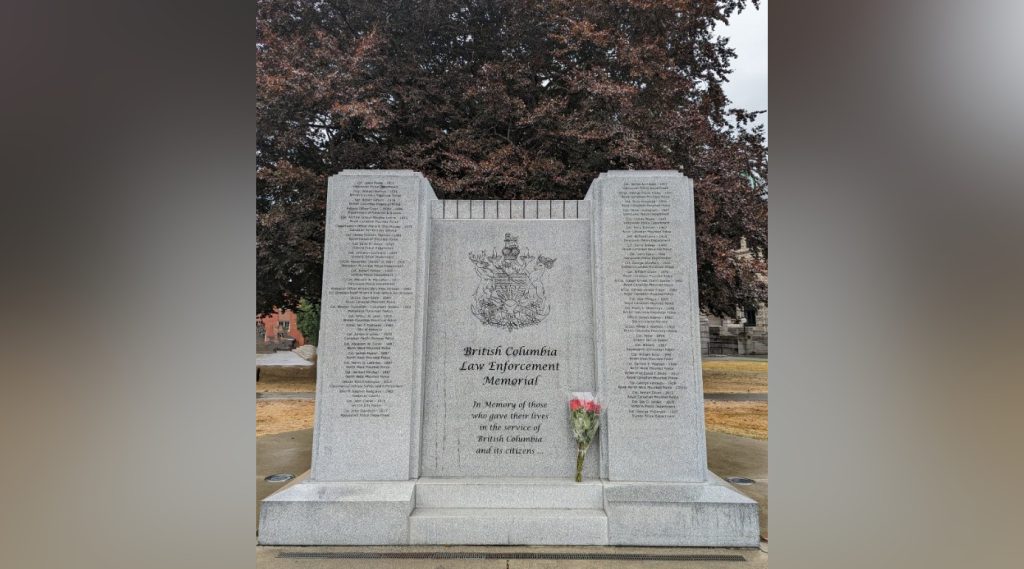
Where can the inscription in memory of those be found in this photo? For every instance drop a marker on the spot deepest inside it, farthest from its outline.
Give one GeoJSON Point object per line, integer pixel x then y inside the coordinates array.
{"type": "Point", "coordinates": [648, 286]}
{"type": "Point", "coordinates": [509, 422]}
{"type": "Point", "coordinates": [372, 297]}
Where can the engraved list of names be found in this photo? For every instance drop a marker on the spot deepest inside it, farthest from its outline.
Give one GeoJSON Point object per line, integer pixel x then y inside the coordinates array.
{"type": "Point", "coordinates": [373, 296]}
{"type": "Point", "coordinates": [366, 358]}
{"type": "Point", "coordinates": [649, 318]}
{"type": "Point", "coordinates": [648, 284]}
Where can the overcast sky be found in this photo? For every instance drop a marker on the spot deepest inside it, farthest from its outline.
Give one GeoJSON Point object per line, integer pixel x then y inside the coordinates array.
{"type": "Point", "coordinates": [748, 83]}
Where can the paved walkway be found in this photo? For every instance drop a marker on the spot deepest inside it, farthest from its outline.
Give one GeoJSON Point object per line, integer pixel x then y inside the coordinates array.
{"type": "Point", "coordinates": [281, 359]}
{"type": "Point", "coordinates": [283, 395]}
{"type": "Point", "coordinates": [733, 456]}
{"type": "Point", "coordinates": [728, 456]}
{"type": "Point", "coordinates": [736, 397]}
{"type": "Point", "coordinates": [283, 365]}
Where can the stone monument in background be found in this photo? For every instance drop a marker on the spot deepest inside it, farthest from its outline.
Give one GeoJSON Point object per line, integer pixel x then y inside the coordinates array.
{"type": "Point", "coordinates": [452, 335]}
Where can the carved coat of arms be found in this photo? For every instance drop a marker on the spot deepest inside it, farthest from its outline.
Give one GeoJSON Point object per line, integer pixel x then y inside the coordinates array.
{"type": "Point", "coordinates": [511, 291]}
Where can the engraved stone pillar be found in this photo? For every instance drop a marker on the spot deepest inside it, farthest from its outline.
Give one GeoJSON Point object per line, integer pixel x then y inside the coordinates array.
{"type": "Point", "coordinates": [648, 326]}
{"type": "Point", "coordinates": [366, 434]}
{"type": "Point", "coordinates": [371, 322]}
{"type": "Point", "coordinates": [658, 489]}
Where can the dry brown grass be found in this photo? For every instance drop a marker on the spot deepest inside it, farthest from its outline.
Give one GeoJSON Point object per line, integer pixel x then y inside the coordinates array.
{"type": "Point", "coordinates": [280, 416]}
{"type": "Point", "coordinates": [275, 385]}
{"type": "Point", "coordinates": [743, 418]}
{"type": "Point", "coordinates": [732, 376]}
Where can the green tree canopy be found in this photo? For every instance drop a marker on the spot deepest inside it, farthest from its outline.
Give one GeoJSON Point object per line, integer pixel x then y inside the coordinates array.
{"type": "Point", "coordinates": [502, 99]}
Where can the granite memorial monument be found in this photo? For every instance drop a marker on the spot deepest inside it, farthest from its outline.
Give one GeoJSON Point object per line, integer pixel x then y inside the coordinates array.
{"type": "Point", "coordinates": [452, 335]}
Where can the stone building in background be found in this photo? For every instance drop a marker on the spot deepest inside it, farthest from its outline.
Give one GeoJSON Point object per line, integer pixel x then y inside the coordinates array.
{"type": "Point", "coordinates": [745, 334]}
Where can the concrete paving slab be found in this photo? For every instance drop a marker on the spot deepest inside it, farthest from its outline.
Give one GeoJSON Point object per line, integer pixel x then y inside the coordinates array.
{"type": "Point", "coordinates": [730, 455]}
{"type": "Point", "coordinates": [289, 395]}
{"type": "Point", "coordinates": [284, 453]}
{"type": "Point", "coordinates": [736, 397]}
{"type": "Point", "coordinates": [282, 359]}
{"type": "Point", "coordinates": [283, 365]}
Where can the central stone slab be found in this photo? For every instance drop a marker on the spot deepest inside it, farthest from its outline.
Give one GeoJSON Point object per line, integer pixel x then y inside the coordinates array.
{"type": "Point", "coordinates": [509, 336]}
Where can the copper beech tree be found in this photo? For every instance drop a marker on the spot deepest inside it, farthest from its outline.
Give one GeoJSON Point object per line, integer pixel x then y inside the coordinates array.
{"type": "Point", "coordinates": [502, 99]}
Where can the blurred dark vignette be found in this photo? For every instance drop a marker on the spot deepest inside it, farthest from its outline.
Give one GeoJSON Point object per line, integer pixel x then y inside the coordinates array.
{"type": "Point", "coordinates": [897, 199]}
{"type": "Point", "coordinates": [129, 235]}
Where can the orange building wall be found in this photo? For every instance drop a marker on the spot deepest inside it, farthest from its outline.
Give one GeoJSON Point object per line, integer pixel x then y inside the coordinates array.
{"type": "Point", "coordinates": [270, 324]}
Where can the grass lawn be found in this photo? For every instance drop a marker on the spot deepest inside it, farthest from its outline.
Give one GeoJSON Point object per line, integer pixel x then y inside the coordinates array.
{"type": "Point", "coordinates": [277, 385]}
{"type": "Point", "coordinates": [274, 417]}
{"type": "Point", "coordinates": [735, 376]}
{"type": "Point", "coordinates": [744, 418]}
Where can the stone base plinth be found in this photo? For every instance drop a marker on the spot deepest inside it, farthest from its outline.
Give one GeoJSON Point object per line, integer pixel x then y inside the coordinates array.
{"type": "Point", "coordinates": [712, 514]}
{"type": "Point", "coordinates": [507, 526]}
{"type": "Point", "coordinates": [509, 493]}
{"type": "Point", "coordinates": [489, 511]}
{"type": "Point", "coordinates": [338, 513]}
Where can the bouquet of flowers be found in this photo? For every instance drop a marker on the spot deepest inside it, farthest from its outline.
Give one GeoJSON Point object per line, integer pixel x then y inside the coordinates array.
{"type": "Point", "coordinates": [585, 419]}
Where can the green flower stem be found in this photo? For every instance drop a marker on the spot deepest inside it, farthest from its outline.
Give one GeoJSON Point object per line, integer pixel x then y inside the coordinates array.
{"type": "Point", "coordinates": [580, 455]}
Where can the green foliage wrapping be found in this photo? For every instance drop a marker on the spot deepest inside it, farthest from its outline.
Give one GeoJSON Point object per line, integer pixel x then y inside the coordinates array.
{"type": "Point", "coordinates": [585, 420]}
{"type": "Point", "coordinates": [518, 99]}
{"type": "Point", "coordinates": [307, 316]}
